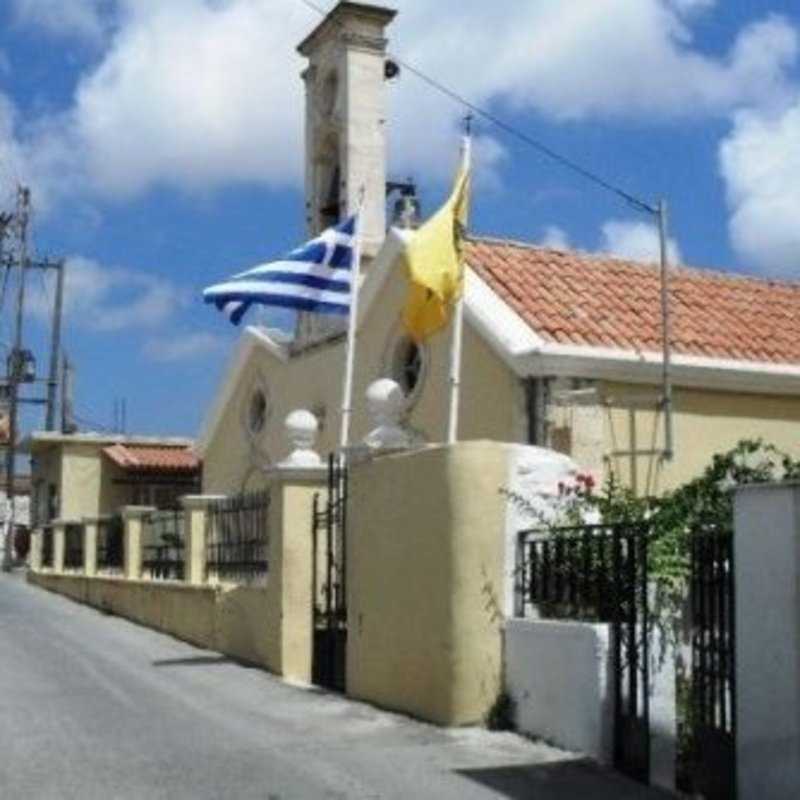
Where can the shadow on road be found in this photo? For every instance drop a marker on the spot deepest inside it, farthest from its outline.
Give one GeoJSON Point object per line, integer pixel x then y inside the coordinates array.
{"type": "Point", "coordinates": [194, 661]}
{"type": "Point", "coordinates": [565, 780]}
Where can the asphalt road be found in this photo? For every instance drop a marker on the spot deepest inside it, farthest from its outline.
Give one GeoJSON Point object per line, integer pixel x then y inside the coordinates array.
{"type": "Point", "coordinates": [92, 706]}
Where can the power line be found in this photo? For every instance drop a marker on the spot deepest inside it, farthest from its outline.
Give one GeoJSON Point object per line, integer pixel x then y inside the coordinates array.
{"type": "Point", "coordinates": [512, 130]}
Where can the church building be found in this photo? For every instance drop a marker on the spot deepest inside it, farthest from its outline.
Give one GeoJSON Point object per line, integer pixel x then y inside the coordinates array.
{"type": "Point", "coordinates": [561, 349]}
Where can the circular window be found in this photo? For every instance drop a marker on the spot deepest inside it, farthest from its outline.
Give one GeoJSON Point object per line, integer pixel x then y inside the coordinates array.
{"type": "Point", "coordinates": [257, 412]}
{"type": "Point", "coordinates": [407, 365]}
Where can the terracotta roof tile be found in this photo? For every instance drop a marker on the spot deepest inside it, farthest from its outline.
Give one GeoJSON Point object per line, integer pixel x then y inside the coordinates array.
{"type": "Point", "coordinates": [576, 298]}
{"type": "Point", "coordinates": [141, 458]}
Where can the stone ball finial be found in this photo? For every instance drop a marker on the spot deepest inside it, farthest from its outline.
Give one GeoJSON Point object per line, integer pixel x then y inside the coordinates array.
{"type": "Point", "coordinates": [385, 401]}
{"type": "Point", "coordinates": [386, 405]}
{"type": "Point", "coordinates": [301, 431]}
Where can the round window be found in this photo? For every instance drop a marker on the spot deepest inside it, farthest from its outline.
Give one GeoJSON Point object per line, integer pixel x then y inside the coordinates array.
{"type": "Point", "coordinates": [257, 411]}
{"type": "Point", "coordinates": [408, 366]}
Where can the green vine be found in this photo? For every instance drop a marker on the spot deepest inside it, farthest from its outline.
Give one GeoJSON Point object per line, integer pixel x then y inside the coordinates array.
{"type": "Point", "coordinates": [702, 504]}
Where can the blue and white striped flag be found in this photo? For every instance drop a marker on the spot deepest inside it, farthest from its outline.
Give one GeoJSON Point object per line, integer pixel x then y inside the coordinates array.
{"type": "Point", "coordinates": [316, 277]}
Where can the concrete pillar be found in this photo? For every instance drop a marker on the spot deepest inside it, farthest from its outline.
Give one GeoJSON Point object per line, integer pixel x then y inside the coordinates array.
{"type": "Point", "coordinates": [59, 543]}
{"type": "Point", "coordinates": [767, 557]}
{"type": "Point", "coordinates": [132, 519]}
{"type": "Point", "coordinates": [36, 550]}
{"type": "Point", "coordinates": [194, 536]}
{"type": "Point", "coordinates": [89, 547]}
{"type": "Point", "coordinates": [290, 565]}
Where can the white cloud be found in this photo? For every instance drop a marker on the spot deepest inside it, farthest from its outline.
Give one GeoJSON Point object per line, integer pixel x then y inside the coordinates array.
{"type": "Point", "coordinates": [760, 162]}
{"type": "Point", "coordinates": [185, 347]}
{"type": "Point", "coordinates": [199, 94]}
{"type": "Point", "coordinates": [194, 95]}
{"type": "Point", "coordinates": [111, 299]}
{"type": "Point", "coordinates": [82, 18]}
{"type": "Point", "coordinates": [554, 237]}
{"type": "Point", "coordinates": [637, 241]}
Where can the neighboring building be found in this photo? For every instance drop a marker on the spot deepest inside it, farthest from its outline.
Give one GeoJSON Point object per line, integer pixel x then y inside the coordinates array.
{"type": "Point", "coordinates": [22, 519]}
{"type": "Point", "coordinates": [561, 349]}
{"type": "Point", "coordinates": [91, 475]}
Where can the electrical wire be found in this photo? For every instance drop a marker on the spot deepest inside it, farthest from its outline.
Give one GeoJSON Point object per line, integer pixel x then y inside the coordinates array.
{"type": "Point", "coordinates": [511, 130]}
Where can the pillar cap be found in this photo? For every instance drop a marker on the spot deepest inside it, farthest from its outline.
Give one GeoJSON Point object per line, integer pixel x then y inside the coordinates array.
{"type": "Point", "coordinates": [301, 428]}
{"type": "Point", "coordinates": [131, 512]}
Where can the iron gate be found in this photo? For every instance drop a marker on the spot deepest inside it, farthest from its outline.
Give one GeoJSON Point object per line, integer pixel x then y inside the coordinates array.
{"type": "Point", "coordinates": [599, 573]}
{"type": "Point", "coordinates": [329, 581]}
{"type": "Point", "coordinates": [712, 711]}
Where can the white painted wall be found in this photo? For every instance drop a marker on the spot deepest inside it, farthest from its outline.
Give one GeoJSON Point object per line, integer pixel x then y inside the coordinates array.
{"type": "Point", "coordinates": [559, 675]}
{"type": "Point", "coordinates": [767, 548]}
{"type": "Point", "coordinates": [534, 473]}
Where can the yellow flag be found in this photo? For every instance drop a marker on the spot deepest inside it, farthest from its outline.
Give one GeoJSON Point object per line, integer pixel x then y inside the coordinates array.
{"type": "Point", "coordinates": [433, 260]}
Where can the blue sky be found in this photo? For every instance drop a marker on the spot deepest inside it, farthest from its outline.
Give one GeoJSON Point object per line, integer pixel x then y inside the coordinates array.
{"type": "Point", "coordinates": [163, 144]}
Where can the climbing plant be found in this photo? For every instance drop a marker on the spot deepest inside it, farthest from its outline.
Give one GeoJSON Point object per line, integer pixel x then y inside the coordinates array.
{"type": "Point", "coordinates": [703, 504]}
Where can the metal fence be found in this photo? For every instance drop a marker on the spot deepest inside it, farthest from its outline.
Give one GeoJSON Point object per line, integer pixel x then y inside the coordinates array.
{"type": "Point", "coordinates": [712, 715]}
{"type": "Point", "coordinates": [237, 537]}
{"type": "Point", "coordinates": [73, 546]}
{"type": "Point", "coordinates": [47, 546]}
{"type": "Point", "coordinates": [162, 545]}
{"type": "Point", "coordinates": [110, 544]}
{"type": "Point", "coordinates": [580, 573]}
{"type": "Point", "coordinates": [599, 573]}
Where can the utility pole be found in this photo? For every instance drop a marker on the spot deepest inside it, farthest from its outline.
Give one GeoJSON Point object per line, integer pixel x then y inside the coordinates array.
{"type": "Point", "coordinates": [16, 367]}
{"type": "Point", "coordinates": [666, 324]}
{"type": "Point", "coordinates": [67, 423]}
{"type": "Point", "coordinates": [5, 222]}
{"type": "Point", "coordinates": [55, 347]}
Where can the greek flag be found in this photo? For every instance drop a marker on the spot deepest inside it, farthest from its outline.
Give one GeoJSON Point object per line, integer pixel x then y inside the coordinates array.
{"type": "Point", "coordinates": [316, 277]}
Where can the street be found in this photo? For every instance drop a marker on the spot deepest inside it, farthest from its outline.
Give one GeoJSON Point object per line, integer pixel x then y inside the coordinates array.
{"type": "Point", "coordinates": [92, 706]}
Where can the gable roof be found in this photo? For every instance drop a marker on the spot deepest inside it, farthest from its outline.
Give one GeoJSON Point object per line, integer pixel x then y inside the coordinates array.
{"type": "Point", "coordinates": [571, 298]}
{"type": "Point", "coordinates": [530, 305]}
{"type": "Point", "coordinates": [158, 459]}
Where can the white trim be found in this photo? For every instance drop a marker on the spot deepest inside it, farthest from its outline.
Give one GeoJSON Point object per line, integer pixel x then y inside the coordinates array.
{"type": "Point", "coordinates": [528, 354]}
{"type": "Point", "coordinates": [688, 371]}
{"type": "Point", "coordinates": [56, 437]}
{"type": "Point", "coordinates": [251, 338]}
{"type": "Point", "coordinates": [379, 269]}
{"type": "Point", "coordinates": [508, 334]}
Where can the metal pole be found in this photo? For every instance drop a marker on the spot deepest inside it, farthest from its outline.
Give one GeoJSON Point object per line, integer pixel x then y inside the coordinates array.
{"type": "Point", "coordinates": [666, 400]}
{"type": "Point", "coordinates": [23, 202]}
{"type": "Point", "coordinates": [352, 332]}
{"type": "Point", "coordinates": [458, 327]}
{"type": "Point", "coordinates": [67, 425]}
{"type": "Point", "coordinates": [55, 348]}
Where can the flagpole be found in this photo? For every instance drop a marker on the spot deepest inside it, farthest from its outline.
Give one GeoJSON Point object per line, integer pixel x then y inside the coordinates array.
{"type": "Point", "coordinates": [352, 329]}
{"type": "Point", "coordinates": [458, 322]}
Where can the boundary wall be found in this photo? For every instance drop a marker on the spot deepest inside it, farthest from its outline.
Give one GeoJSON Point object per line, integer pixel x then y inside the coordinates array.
{"type": "Point", "coordinates": [267, 625]}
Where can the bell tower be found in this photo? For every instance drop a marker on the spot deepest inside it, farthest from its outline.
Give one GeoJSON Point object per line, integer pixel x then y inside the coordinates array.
{"type": "Point", "coordinates": [346, 119]}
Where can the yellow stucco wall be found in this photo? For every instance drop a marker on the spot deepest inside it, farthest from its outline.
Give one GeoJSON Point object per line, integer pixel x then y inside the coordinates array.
{"type": "Point", "coordinates": [266, 625]}
{"type": "Point", "coordinates": [706, 423]}
{"type": "Point", "coordinates": [236, 621]}
{"type": "Point", "coordinates": [80, 481]}
{"type": "Point", "coordinates": [425, 581]}
{"type": "Point", "coordinates": [491, 396]}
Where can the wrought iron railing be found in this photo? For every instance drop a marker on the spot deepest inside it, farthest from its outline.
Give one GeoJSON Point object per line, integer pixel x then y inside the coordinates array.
{"type": "Point", "coordinates": [163, 544]}
{"type": "Point", "coordinates": [599, 573]}
{"type": "Point", "coordinates": [110, 544]}
{"type": "Point", "coordinates": [73, 546]}
{"type": "Point", "coordinates": [237, 537]}
{"type": "Point", "coordinates": [47, 546]}
{"type": "Point", "coordinates": [581, 573]}
{"type": "Point", "coordinates": [711, 716]}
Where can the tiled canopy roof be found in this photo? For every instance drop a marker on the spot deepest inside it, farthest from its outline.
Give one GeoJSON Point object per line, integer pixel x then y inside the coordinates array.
{"type": "Point", "coordinates": [577, 299]}
{"type": "Point", "coordinates": [139, 458]}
